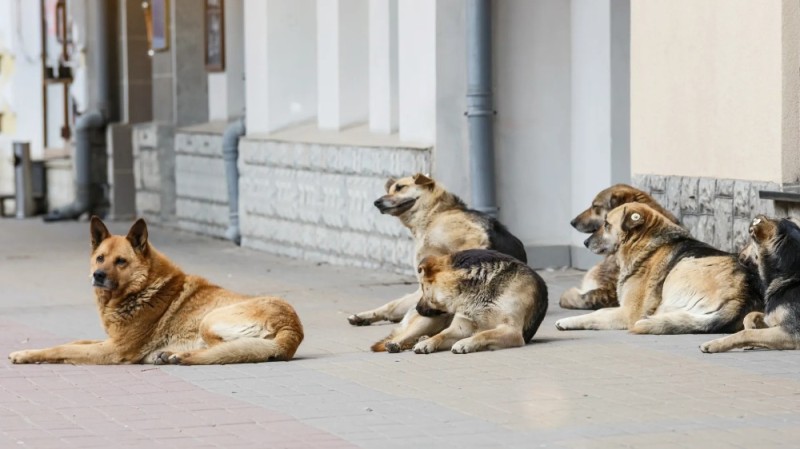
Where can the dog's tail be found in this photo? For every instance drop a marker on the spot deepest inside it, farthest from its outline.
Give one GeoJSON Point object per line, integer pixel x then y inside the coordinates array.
{"type": "Point", "coordinates": [380, 345]}
{"type": "Point", "coordinates": [683, 322]}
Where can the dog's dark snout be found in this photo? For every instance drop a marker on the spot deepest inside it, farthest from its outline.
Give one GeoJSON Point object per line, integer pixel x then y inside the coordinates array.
{"type": "Point", "coordinates": [573, 222]}
{"type": "Point", "coordinates": [99, 275]}
{"type": "Point", "coordinates": [586, 242]}
{"type": "Point", "coordinates": [377, 202]}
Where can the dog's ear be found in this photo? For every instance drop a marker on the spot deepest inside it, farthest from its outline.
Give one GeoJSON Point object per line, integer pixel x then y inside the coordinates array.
{"type": "Point", "coordinates": [97, 232]}
{"type": "Point", "coordinates": [618, 198]}
{"type": "Point", "coordinates": [422, 180]}
{"type": "Point", "coordinates": [631, 220]}
{"type": "Point", "coordinates": [138, 236]}
{"type": "Point", "coordinates": [762, 228]}
{"type": "Point", "coordinates": [389, 183]}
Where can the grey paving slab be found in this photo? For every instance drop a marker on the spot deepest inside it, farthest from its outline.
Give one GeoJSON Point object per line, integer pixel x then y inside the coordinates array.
{"type": "Point", "coordinates": [565, 389]}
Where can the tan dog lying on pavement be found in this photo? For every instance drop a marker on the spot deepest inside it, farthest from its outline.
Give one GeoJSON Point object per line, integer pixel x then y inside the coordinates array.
{"type": "Point", "coordinates": [599, 286]}
{"type": "Point", "coordinates": [497, 302]}
{"type": "Point", "coordinates": [669, 283]}
{"type": "Point", "coordinates": [440, 224]}
{"type": "Point", "coordinates": [155, 313]}
{"type": "Point", "coordinates": [775, 250]}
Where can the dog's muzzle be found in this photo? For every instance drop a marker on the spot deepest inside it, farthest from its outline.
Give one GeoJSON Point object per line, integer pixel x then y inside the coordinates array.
{"type": "Point", "coordinates": [388, 206]}
{"type": "Point", "coordinates": [427, 311]}
{"type": "Point", "coordinates": [100, 280]}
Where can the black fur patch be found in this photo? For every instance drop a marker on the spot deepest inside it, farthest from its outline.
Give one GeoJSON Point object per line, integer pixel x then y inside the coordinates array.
{"type": "Point", "coordinates": [500, 238]}
{"type": "Point", "coordinates": [781, 268]}
{"type": "Point", "coordinates": [492, 271]}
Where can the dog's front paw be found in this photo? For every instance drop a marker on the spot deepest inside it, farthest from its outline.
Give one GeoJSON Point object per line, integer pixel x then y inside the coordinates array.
{"type": "Point", "coordinates": [20, 357]}
{"type": "Point", "coordinates": [464, 346]}
{"type": "Point", "coordinates": [563, 324]}
{"type": "Point", "coordinates": [711, 347]}
{"type": "Point", "coordinates": [426, 346]}
{"type": "Point", "coordinates": [356, 320]}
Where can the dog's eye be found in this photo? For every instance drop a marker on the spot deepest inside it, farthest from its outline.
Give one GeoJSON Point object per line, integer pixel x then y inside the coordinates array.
{"type": "Point", "coordinates": [100, 259]}
{"type": "Point", "coordinates": [120, 261]}
{"type": "Point", "coordinates": [399, 187]}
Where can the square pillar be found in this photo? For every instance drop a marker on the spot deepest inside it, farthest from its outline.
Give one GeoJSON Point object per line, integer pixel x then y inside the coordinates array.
{"type": "Point", "coordinates": [280, 63]}
{"type": "Point", "coordinates": [383, 74]}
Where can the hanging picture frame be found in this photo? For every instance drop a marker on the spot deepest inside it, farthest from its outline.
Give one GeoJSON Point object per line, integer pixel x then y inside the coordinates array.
{"type": "Point", "coordinates": [215, 35]}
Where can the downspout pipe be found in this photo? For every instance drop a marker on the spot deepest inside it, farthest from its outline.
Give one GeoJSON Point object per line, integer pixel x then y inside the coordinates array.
{"type": "Point", "coordinates": [480, 114]}
{"type": "Point", "coordinates": [230, 154]}
{"type": "Point", "coordinates": [90, 122]}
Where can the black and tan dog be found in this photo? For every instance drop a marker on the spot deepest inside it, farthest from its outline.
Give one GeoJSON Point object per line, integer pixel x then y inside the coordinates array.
{"type": "Point", "coordinates": [669, 283]}
{"type": "Point", "coordinates": [496, 301]}
{"type": "Point", "coordinates": [774, 249]}
{"type": "Point", "coordinates": [440, 224]}
{"type": "Point", "coordinates": [155, 313]}
{"type": "Point", "coordinates": [599, 286]}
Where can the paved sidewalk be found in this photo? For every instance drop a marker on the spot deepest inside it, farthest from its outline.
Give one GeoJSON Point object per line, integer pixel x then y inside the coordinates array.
{"type": "Point", "coordinates": [564, 390]}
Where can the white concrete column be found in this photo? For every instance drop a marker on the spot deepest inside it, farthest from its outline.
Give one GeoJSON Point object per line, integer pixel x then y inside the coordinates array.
{"type": "Point", "coordinates": [280, 63]}
{"type": "Point", "coordinates": [342, 62]}
{"type": "Point", "coordinates": [383, 84]}
{"type": "Point", "coordinates": [600, 128]}
{"type": "Point", "coordinates": [226, 89]}
{"type": "Point", "coordinates": [417, 70]}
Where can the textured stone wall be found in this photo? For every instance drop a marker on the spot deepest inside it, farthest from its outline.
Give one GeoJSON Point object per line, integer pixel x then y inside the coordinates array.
{"type": "Point", "coordinates": [314, 202]}
{"type": "Point", "coordinates": [716, 211]}
{"type": "Point", "coordinates": [201, 203]}
{"type": "Point", "coordinates": [154, 171]}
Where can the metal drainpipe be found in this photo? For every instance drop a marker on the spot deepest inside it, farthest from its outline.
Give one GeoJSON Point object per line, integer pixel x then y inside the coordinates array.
{"type": "Point", "coordinates": [89, 122]}
{"type": "Point", "coordinates": [480, 114]}
{"type": "Point", "coordinates": [230, 153]}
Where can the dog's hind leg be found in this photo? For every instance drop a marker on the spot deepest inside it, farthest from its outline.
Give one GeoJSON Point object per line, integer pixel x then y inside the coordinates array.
{"type": "Point", "coordinates": [393, 311]}
{"type": "Point", "coordinates": [604, 319]}
{"type": "Point", "coordinates": [256, 330]}
{"type": "Point", "coordinates": [755, 320]}
{"type": "Point", "coordinates": [501, 337]}
{"type": "Point", "coordinates": [770, 338]}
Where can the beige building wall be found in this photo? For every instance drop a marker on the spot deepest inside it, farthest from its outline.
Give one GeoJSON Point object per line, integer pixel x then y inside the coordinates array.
{"type": "Point", "coordinates": [712, 90]}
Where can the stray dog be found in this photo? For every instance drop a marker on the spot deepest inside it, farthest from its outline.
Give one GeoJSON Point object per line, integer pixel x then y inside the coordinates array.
{"type": "Point", "coordinates": [599, 286]}
{"type": "Point", "coordinates": [497, 302]}
{"type": "Point", "coordinates": [775, 250]}
{"type": "Point", "coordinates": [155, 313]}
{"type": "Point", "coordinates": [440, 224]}
{"type": "Point", "coordinates": [669, 283]}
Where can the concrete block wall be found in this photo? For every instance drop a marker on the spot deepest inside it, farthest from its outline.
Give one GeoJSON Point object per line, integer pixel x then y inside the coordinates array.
{"type": "Point", "coordinates": [154, 171]}
{"type": "Point", "coordinates": [716, 211]}
{"type": "Point", "coordinates": [201, 203]}
{"type": "Point", "coordinates": [314, 201]}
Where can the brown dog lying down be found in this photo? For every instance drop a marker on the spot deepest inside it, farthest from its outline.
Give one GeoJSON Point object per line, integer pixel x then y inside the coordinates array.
{"type": "Point", "coordinates": [669, 283]}
{"type": "Point", "coordinates": [155, 313]}
{"type": "Point", "coordinates": [495, 300]}
{"type": "Point", "coordinates": [599, 286]}
{"type": "Point", "coordinates": [774, 249]}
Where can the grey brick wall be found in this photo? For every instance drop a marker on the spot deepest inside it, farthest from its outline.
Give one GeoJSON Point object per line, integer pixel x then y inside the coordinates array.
{"type": "Point", "coordinates": [314, 201]}
{"type": "Point", "coordinates": [201, 196]}
{"type": "Point", "coordinates": [154, 171]}
{"type": "Point", "coordinates": [716, 211]}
